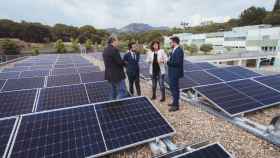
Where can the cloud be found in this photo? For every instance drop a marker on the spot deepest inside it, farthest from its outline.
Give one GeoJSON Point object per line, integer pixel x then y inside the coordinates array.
{"type": "Point", "coordinates": [113, 13]}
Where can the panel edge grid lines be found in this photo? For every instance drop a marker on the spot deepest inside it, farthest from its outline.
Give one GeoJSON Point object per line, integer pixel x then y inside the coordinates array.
{"type": "Point", "coordinates": [214, 75]}
{"type": "Point", "coordinates": [37, 100]}
{"type": "Point", "coordinates": [254, 79]}
{"type": "Point", "coordinates": [3, 85]}
{"type": "Point", "coordinates": [14, 138]}
{"type": "Point", "coordinates": [84, 85]}
{"type": "Point", "coordinates": [12, 135]}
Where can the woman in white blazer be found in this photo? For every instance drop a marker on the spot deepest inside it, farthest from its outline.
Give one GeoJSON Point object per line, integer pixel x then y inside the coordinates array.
{"type": "Point", "coordinates": [157, 59]}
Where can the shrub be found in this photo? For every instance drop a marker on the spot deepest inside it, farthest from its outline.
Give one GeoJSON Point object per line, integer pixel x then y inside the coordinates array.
{"type": "Point", "coordinates": [192, 49]}
{"type": "Point", "coordinates": [60, 47]}
{"type": "Point", "coordinates": [75, 44]}
{"type": "Point", "coordinates": [10, 47]}
{"type": "Point", "coordinates": [35, 51]}
{"type": "Point", "coordinates": [89, 44]}
{"type": "Point", "coordinates": [206, 48]}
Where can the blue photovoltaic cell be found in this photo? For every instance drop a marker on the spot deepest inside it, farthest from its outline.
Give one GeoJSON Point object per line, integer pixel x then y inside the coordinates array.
{"type": "Point", "coordinates": [205, 65]}
{"type": "Point", "coordinates": [243, 72]}
{"type": "Point", "coordinates": [62, 97]}
{"type": "Point", "coordinates": [212, 151]}
{"type": "Point", "coordinates": [9, 75]}
{"type": "Point", "coordinates": [99, 91]}
{"type": "Point", "coordinates": [186, 83]}
{"type": "Point", "coordinates": [66, 134]}
{"type": "Point", "coordinates": [16, 69]}
{"type": "Point", "coordinates": [202, 77]}
{"type": "Point", "coordinates": [16, 102]}
{"type": "Point", "coordinates": [6, 128]}
{"type": "Point", "coordinates": [93, 77]}
{"type": "Point", "coordinates": [225, 75]}
{"type": "Point", "coordinates": [41, 67]}
{"type": "Point", "coordinates": [130, 121]}
{"type": "Point", "coordinates": [64, 66]}
{"type": "Point", "coordinates": [63, 80]}
{"type": "Point", "coordinates": [191, 67]}
{"type": "Point", "coordinates": [24, 83]}
{"type": "Point", "coordinates": [271, 81]}
{"type": "Point", "coordinates": [88, 69]}
{"type": "Point", "coordinates": [230, 100]}
{"type": "Point", "coordinates": [261, 93]}
{"type": "Point", "coordinates": [34, 73]}
{"type": "Point", "coordinates": [66, 71]}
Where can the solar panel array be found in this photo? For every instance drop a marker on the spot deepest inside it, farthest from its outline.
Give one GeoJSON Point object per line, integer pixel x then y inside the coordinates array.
{"type": "Point", "coordinates": [89, 130]}
{"type": "Point", "coordinates": [210, 151]}
{"type": "Point", "coordinates": [6, 129]}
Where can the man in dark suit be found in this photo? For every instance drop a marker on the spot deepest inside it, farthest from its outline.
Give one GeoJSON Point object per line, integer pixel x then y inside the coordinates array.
{"type": "Point", "coordinates": [131, 59]}
{"type": "Point", "coordinates": [114, 69]}
{"type": "Point", "coordinates": [175, 71]}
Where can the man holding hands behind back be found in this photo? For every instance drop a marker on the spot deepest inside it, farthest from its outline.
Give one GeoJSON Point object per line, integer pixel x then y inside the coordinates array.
{"type": "Point", "coordinates": [175, 71]}
{"type": "Point", "coordinates": [131, 59]}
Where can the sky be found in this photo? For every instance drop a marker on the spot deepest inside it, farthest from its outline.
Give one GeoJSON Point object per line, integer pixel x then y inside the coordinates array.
{"type": "Point", "coordinates": [118, 13]}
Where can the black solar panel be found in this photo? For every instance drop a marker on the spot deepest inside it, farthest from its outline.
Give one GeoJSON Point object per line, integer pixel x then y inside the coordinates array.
{"type": "Point", "coordinates": [63, 80]}
{"type": "Point", "coordinates": [211, 151]}
{"type": "Point", "coordinates": [41, 67]}
{"type": "Point", "coordinates": [191, 67]}
{"type": "Point", "coordinates": [62, 97]}
{"type": "Point", "coordinates": [16, 102]}
{"type": "Point", "coordinates": [131, 121]}
{"type": "Point", "coordinates": [67, 71]}
{"type": "Point", "coordinates": [228, 99]}
{"type": "Point", "coordinates": [6, 128]}
{"type": "Point", "coordinates": [99, 91]}
{"type": "Point", "coordinates": [205, 65]}
{"type": "Point", "coordinates": [202, 77]}
{"type": "Point", "coordinates": [88, 69]}
{"type": "Point", "coordinates": [34, 73]}
{"type": "Point", "coordinates": [9, 75]}
{"type": "Point", "coordinates": [92, 77]}
{"type": "Point", "coordinates": [24, 83]}
{"type": "Point", "coordinates": [2, 82]}
{"type": "Point", "coordinates": [67, 133]}
{"type": "Point", "coordinates": [225, 75]}
{"type": "Point", "coordinates": [271, 81]}
{"type": "Point", "coordinates": [261, 93]}
{"type": "Point", "coordinates": [243, 72]}
{"type": "Point", "coordinates": [187, 83]}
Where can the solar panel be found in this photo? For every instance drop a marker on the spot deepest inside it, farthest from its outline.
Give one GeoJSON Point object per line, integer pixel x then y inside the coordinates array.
{"type": "Point", "coordinates": [24, 83]}
{"type": "Point", "coordinates": [93, 77]}
{"type": "Point", "coordinates": [9, 75]}
{"type": "Point", "coordinates": [64, 133]}
{"type": "Point", "coordinates": [129, 122]}
{"type": "Point", "coordinates": [23, 64]}
{"type": "Point", "coordinates": [243, 72]}
{"type": "Point", "coordinates": [34, 73]}
{"type": "Point", "coordinates": [225, 75]}
{"type": "Point", "coordinates": [271, 81]}
{"type": "Point", "coordinates": [63, 80]}
{"type": "Point", "coordinates": [202, 77]}
{"type": "Point", "coordinates": [67, 71]}
{"type": "Point", "coordinates": [41, 67]}
{"type": "Point", "coordinates": [15, 69]}
{"type": "Point", "coordinates": [187, 83]}
{"type": "Point", "coordinates": [2, 82]}
{"type": "Point", "coordinates": [205, 65]}
{"type": "Point", "coordinates": [228, 99]}
{"type": "Point", "coordinates": [210, 151]}
{"type": "Point", "coordinates": [16, 102]}
{"type": "Point", "coordinates": [6, 129]}
{"type": "Point", "coordinates": [88, 69]}
{"type": "Point", "coordinates": [64, 66]}
{"type": "Point", "coordinates": [99, 91]}
{"type": "Point", "coordinates": [62, 97]}
{"type": "Point", "coordinates": [191, 67]}
{"type": "Point", "coordinates": [83, 64]}
{"type": "Point", "coordinates": [259, 92]}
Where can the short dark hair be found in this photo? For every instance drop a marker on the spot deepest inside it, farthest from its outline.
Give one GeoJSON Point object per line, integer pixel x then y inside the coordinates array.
{"type": "Point", "coordinates": [153, 43]}
{"type": "Point", "coordinates": [130, 44]}
{"type": "Point", "coordinates": [112, 39]}
{"type": "Point", "coordinates": [175, 39]}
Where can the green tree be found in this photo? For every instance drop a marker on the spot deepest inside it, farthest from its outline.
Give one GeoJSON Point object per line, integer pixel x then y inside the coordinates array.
{"type": "Point", "coordinates": [60, 47]}
{"type": "Point", "coordinates": [272, 18]}
{"type": "Point", "coordinates": [192, 49]}
{"type": "Point", "coordinates": [35, 51]}
{"type": "Point", "coordinates": [64, 32]}
{"type": "Point", "coordinates": [206, 48]}
{"type": "Point", "coordinates": [10, 47]}
{"type": "Point", "coordinates": [252, 16]}
{"type": "Point", "coordinates": [89, 44]}
{"type": "Point", "coordinates": [75, 44]}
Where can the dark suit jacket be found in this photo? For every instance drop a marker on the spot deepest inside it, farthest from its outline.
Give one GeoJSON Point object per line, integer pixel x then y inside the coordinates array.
{"type": "Point", "coordinates": [114, 65]}
{"type": "Point", "coordinates": [132, 65]}
{"type": "Point", "coordinates": [176, 64]}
